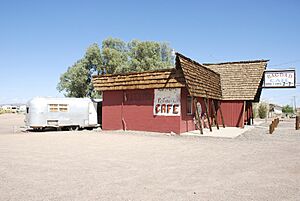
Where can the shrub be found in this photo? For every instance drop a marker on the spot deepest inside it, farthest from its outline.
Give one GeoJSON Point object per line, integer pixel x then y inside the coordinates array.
{"type": "Point", "coordinates": [262, 110]}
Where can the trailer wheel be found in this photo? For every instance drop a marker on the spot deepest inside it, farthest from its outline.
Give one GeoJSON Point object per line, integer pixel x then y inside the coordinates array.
{"type": "Point", "coordinates": [41, 129]}
{"type": "Point", "coordinates": [73, 128]}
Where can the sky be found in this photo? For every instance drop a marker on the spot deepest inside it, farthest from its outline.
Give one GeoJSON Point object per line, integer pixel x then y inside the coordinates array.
{"type": "Point", "coordinates": [40, 39]}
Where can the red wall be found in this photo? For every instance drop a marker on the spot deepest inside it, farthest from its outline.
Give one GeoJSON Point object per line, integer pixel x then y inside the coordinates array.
{"type": "Point", "coordinates": [133, 110]}
{"type": "Point", "coordinates": [186, 122]}
{"type": "Point", "coordinates": [232, 112]}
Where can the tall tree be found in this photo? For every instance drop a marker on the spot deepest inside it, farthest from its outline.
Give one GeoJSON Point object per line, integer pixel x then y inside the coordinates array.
{"type": "Point", "coordinates": [115, 57]}
{"type": "Point", "coordinates": [76, 82]}
{"type": "Point", "coordinates": [149, 55]}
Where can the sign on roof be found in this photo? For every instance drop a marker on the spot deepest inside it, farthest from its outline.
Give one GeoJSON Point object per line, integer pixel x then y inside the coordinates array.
{"type": "Point", "coordinates": [279, 79]}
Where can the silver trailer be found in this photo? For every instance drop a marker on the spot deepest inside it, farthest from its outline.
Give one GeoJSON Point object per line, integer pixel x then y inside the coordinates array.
{"type": "Point", "coordinates": [70, 113]}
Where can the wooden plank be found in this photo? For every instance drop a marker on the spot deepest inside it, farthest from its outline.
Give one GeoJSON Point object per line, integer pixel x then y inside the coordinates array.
{"type": "Point", "coordinates": [207, 115]}
{"type": "Point", "coordinates": [243, 117]}
{"type": "Point", "coordinates": [165, 76]}
{"type": "Point", "coordinates": [145, 86]}
{"type": "Point", "coordinates": [197, 115]}
{"type": "Point", "coordinates": [215, 113]}
{"type": "Point", "coordinates": [138, 82]}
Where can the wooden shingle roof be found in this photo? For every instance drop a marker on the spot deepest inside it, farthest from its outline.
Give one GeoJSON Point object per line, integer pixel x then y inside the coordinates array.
{"type": "Point", "coordinates": [240, 80]}
{"type": "Point", "coordinates": [227, 81]}
{"type": "Point", "coordinates": [168, 78]}
{"type": "Point", "coordinates": [200, 81]}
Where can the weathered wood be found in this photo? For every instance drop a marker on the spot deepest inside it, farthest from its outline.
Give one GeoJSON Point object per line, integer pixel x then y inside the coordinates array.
{"type": "Point", "coordinates": [243, 117]}
{"type": "Point", "coordinates": [207, 114]}
{"type": "Point", "coordinates": [139, 82]}
{"type": "Point", "coordinates": [297, 122]}
{"type": "Point", "coordinates": [145, 86]}
{"type": "Point", "coordinates": [271, 128]}
{"type": "Point", "coordinates": [201, 81]}
{"type": "Point", "coordinates": [197, 115]}
{"type": "Point", "coordinates": [169, 78]}
{"type": "Point", "coordinates": [215, 114]}
{"type": "Point", "coordinates": [240, 80]}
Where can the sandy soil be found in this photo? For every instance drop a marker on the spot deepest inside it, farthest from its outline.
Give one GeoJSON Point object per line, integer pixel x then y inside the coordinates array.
{"type": "Point", "coordinates": [89, 165]}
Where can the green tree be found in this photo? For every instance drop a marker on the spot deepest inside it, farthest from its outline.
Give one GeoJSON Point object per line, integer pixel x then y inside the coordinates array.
{"type": "Point", "coordinates": [76, 81]}
{"type": "Point", "coordinates": [149, 55]}
{"type": "Point", "coordinates": [115, 56]}
{"type": "Point", "coordinates": [287, 109]}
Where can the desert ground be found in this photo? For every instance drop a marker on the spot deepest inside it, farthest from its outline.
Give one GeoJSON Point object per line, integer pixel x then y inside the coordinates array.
{"type": "Point", "coordinates": [102, 165]}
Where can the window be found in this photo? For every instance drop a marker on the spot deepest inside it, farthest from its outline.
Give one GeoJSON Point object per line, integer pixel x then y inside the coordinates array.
{"type": "Point", "coordinates": [189, 107]}
{"type": "Point", "coordinates": [63, 107]}
{"type": "Point", "coordinates": [58, 107]}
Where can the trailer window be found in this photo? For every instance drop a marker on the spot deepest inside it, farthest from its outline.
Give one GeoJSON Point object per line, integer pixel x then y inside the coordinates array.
{"type": "Point", "coordinates": [63, 107]}
{"type": "Point", "coordinates": [58, 107]}
{"type": "Point", "coordinates": [53, 107]}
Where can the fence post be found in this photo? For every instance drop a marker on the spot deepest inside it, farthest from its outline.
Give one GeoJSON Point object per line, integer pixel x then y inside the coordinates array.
{"type": "Point", "coordinates": [297, 122]}
{"type": "Point", "coordinates": [271, 128]}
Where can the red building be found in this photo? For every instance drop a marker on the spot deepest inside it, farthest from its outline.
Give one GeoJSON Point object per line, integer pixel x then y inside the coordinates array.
{"type": "Point", "coordinates": [165, 100]}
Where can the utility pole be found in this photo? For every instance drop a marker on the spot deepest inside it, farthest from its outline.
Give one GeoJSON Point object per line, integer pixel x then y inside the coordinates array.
{"type": "Point", "coordinates": [295, 107]}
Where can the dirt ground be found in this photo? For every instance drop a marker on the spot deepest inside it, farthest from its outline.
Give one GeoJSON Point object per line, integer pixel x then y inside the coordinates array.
{"type": "Point", "coordinates": [90, 165]}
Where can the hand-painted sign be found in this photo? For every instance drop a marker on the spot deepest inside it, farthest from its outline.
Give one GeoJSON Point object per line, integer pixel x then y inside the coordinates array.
{"type": "Point", "coordinates": [167, 102]}
{"type": "Point", "coordinates": [279, 79]}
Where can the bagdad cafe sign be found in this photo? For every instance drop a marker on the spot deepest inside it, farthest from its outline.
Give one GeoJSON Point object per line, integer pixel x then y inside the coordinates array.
{"type": "Point", "coordinates": [279, 79]}
{"type": "Point", "coordinates": [166, 102]}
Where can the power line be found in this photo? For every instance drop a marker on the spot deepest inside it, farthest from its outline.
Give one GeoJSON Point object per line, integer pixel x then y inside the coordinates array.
{"type": "Point", "coordinates": [288, 62]}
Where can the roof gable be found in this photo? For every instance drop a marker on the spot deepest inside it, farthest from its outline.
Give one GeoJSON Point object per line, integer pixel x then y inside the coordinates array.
{"type": "Point", "coordinates": [200, 81]}
{"type": "Point", "coordinates": [240, 80]}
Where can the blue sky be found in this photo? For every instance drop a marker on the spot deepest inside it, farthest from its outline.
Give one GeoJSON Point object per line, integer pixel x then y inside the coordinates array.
{"type": "Point", "coordinates": [39, 39]}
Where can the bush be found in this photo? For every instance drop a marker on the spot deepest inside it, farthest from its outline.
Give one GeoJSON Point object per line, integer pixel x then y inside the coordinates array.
{"type": "Point", "coordinates": [262, 110]}
{"type": "Point", "coordinates": [287, 109]}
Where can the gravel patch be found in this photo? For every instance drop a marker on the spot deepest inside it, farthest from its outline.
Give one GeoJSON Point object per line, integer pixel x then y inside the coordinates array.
{"type": "Point", "coordinates": [89, 165]}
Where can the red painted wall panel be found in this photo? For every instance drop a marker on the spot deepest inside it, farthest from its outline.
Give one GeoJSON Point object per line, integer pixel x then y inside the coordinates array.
{"type": "Point", "coordinates": [186, 122]}
{"type": "Point", "coordinates": [133, 110]}
{"type": "Point", "coordinates": [232, 113]}
{"type": "Point", "coordinates": [111, 110]}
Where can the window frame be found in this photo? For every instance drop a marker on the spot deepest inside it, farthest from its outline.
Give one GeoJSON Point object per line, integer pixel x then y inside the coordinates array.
{"type": "Point", "coordinates": [189, 105]}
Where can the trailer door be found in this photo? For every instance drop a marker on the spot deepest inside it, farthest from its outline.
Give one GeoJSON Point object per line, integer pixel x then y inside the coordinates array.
{"type": "Point", "coordinates": [92, 114]}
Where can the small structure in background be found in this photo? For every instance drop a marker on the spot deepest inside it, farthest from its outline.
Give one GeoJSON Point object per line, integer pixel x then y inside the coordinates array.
{"type": "Point", "coordinates": [17, 108]}
{"type": "Point", "coordinates": [275, 111]}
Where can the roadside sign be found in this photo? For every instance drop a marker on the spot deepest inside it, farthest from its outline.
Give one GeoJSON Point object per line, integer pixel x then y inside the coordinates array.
{"type": "Point", "coordinates": [279, 79]}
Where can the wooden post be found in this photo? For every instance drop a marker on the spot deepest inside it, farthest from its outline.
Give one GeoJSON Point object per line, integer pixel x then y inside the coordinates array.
{"type": "Point", "coordinates": [222, 118]}
{"type": "Point", "coordinates": [215, 114]}
{"type": "Point", "coordinates": [271, 128]}
{"type": "Point", "coordinates": [297, 122]}
{"type": "Point", "coordinates": [243, 118]}
{"type": "Point", "coordinates": [206, 110]}
{"type": "Point", "coordinates": [197, 116]}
